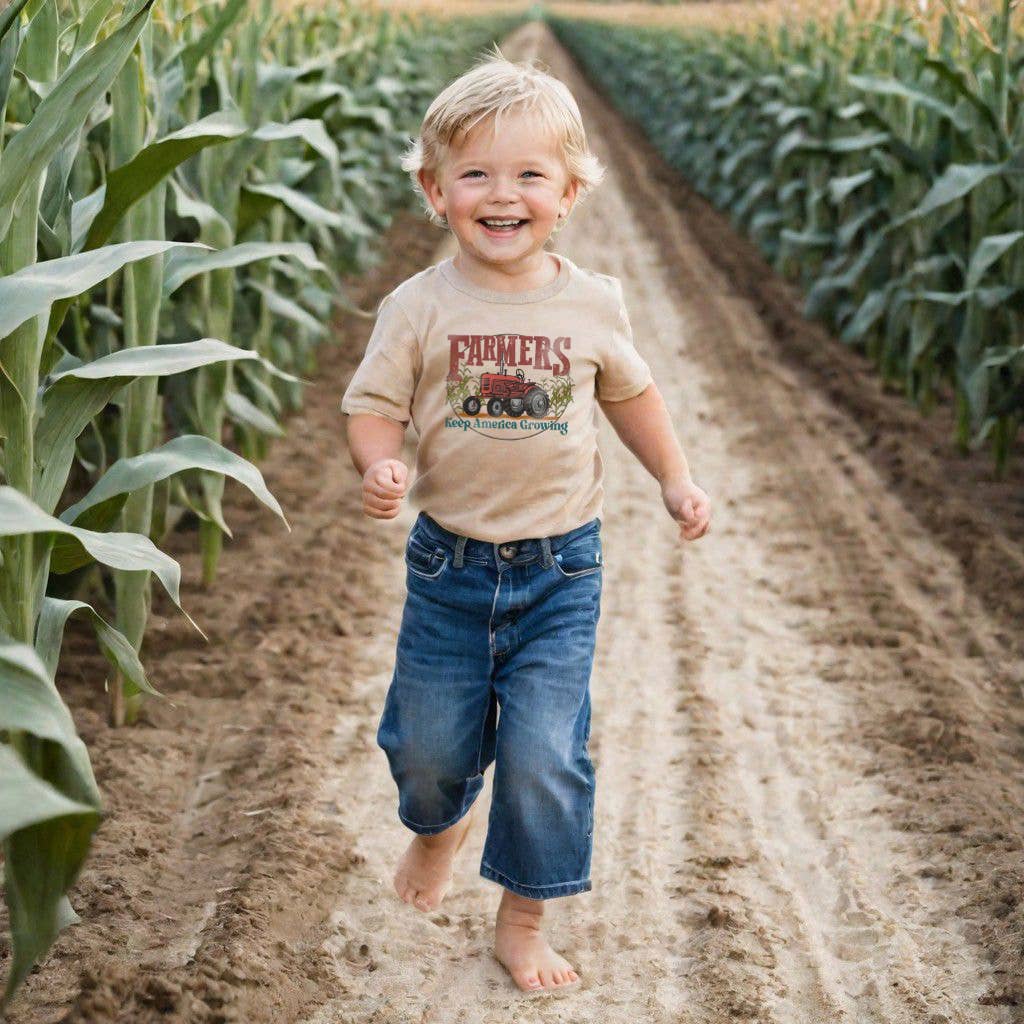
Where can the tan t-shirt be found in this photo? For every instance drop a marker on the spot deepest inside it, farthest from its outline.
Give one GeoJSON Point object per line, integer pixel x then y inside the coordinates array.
{"type": "Point", "coordinates": [500, 388]}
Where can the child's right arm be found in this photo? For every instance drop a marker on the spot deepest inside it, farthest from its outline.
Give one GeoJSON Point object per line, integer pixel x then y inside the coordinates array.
{"type": "Point", "coordinates": [378, 402]}
{"type": "Point", "coordinates": [374, 443]}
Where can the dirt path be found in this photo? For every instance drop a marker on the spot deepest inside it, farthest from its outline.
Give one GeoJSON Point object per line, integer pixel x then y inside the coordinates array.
{"type": "Point", "coordinates": [807, 726]}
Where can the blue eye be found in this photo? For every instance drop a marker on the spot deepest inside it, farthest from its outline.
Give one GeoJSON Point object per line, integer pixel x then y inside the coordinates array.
{"type": "Point", "coordinates": [535, 173]}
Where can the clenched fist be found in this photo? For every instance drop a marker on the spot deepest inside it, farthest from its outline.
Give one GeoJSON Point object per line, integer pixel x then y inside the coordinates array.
{"type": "Point", "coordinates": [384, 485]}
{"type": "Point", "coordinates": [689, 505]}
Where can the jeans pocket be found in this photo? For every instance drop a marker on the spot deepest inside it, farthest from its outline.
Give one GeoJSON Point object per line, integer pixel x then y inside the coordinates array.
{"type": "Point", "coordinates": [423, 559]}
{"type": "Point", "coordinates": [581, 557]}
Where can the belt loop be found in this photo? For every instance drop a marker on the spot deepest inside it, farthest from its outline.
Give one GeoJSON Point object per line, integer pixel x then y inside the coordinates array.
{"type": "Point", "coordinates": [545, 543]}
{"type": "Point", "coordinates": [460, 546]}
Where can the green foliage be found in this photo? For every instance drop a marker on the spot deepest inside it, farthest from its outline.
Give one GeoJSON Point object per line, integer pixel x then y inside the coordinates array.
{"type": "Point", "coordinates": [880, 173]}
{"type": "Point", "coordinates": [459, 390]}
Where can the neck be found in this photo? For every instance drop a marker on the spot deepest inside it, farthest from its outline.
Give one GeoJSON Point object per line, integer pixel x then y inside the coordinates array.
{"type": "Point", "coordinates": [532, 272]}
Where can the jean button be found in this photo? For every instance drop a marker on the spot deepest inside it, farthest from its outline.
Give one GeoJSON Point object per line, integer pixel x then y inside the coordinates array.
{"type": "Point", "coordinates": [508, 550]}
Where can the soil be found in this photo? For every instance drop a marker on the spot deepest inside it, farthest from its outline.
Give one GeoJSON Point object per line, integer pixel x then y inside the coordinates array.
{"type": "Point", "coordinates": [808, 726]}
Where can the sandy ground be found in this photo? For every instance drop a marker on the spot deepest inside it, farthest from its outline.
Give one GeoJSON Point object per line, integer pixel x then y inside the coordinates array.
{"type": "Point", "coordinates": [808, 726]}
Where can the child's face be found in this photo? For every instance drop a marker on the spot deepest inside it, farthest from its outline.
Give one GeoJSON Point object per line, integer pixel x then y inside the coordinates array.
{"type": "Point", "coordinates": [515, 173]}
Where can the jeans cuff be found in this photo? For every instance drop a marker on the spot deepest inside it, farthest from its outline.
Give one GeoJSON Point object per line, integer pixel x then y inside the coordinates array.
{"type": "Point", "coordinates": [431, 830]}
{"type": "Point", "coordinates": [535, 892]}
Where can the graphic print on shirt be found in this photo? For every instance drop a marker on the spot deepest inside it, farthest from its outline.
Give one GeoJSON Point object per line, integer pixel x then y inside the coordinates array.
{"type": "Point", "coordinates": [508, 386]}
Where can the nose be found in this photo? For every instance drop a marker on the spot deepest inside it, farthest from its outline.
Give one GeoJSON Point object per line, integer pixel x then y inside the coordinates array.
{"type": "Point", "coordinates": [504, 188]}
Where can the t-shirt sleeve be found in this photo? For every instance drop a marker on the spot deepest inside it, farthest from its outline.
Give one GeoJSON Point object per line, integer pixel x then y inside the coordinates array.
{"type": "Point", "coordinates": [623, 373]}
{"type": "Point", "coordinates": [385, 380]}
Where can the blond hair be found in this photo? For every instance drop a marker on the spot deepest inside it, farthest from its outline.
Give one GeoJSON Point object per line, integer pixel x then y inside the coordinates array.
{"type": "Point", "coordinates": [493, 87]}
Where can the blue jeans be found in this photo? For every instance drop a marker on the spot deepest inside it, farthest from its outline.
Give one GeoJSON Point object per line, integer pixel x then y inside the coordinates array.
{"type": "Point", "coordinates": [510, 626]}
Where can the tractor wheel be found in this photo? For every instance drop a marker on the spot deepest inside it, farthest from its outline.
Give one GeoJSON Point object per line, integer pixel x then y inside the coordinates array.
{"type": "Point", "coordinates": [471, 405]}
{"type": "Point", "coordinates": [538, 403]}
{"type": "Point", "coordinates": [494, 407]}
{"type": "Point", "coordinates": [516, 406]}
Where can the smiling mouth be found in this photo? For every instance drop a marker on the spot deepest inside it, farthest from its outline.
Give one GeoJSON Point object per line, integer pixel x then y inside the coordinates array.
{"type": "Point", "coordinates": [509, 229]}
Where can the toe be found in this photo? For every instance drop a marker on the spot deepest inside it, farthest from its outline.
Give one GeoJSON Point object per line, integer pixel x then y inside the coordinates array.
{"type": "Point", "coordinates": [530, 981]}
{"type": "Point", "coordinates": [422, 902]}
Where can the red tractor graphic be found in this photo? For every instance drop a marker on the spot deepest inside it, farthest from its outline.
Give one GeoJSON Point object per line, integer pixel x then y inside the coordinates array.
{"type": "Point", "coordinates": [504, 393]}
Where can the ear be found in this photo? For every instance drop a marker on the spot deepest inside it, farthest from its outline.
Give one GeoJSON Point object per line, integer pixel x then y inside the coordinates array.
{"type": "Point", "coordinates": [430, 186]}
{"type": "Point", "coordinates": [568, 200]}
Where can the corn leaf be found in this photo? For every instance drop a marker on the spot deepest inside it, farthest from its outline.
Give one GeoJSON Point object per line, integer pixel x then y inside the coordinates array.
{"type": "Point", "coordinates": [115, 646]}
{"type": "Point", "coordinates": [954, 183]}
{"type": "Point", "coordinates": [895, 88]}
{"type": "Point", "coordinates": [75, 395]}
{"type": "Point", "coordinates": [988, 251]}
{"type": "Point", "coordinates": [307, 210]}
{"type": "Point", "coordinates": [188, 451]}
{"type": "Point", "coordinates": [243, 411]}
{"type": "Point", "coordinates": [26, 799]}
{"type": "Point", "coordinates": [289, 309]}
{"type": "Point", "coordinates": [311, 131]}
{"type": "Point", "coordinates": [182, 267]}
{"type": "Point", "coordinates": [127, 184]}
{"type": "Point", "coordinates": [63, 112]}
{"type": "Point", "coordinates": [193, 54]}
{"type": "Point", "coordinates": [10, 42]}
{"type": "Point", "coordinates": [89, 28]}
{"type": "Point", "coordinates": [30, 292]}
{"type": "Point", "coordinates": [20, 515]}
{"type": "Point", "coordinates": [31, 702]}
{"type": "Point", "coordinates": [45, 840]}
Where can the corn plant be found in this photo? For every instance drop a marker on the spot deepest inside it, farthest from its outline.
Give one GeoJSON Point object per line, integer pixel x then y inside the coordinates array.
{"type": "Point", "coordinates": [877, 162]}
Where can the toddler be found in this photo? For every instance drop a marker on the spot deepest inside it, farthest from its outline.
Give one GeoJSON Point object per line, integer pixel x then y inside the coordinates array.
{"type": "Point", "coordinates": [496, 355]}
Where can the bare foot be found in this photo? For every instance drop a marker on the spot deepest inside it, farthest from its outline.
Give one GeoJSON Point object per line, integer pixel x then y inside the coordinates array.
{"type": "Point", "coordinates": [424, 874]}
{"type": "Point", "coordinates": [523, 950]}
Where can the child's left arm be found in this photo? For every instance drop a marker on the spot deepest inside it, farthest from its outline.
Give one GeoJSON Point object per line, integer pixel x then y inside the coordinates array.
{"type": "Point", "coordinates": [646, 429]}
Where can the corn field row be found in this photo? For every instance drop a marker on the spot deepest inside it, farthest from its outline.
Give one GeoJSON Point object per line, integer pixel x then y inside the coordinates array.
{"type": "Point", "coordinates": [749, 15]}
{"type": "Point", "coordinates": [181, 185]}
{"type": "Point", "coordinates": [876, 164]}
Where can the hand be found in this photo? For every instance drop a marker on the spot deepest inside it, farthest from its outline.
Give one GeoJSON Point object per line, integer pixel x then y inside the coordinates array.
{"type": "Point", "coordinates": [687, 503]}
{"type": "Point", "coordinates": [384, 487]}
